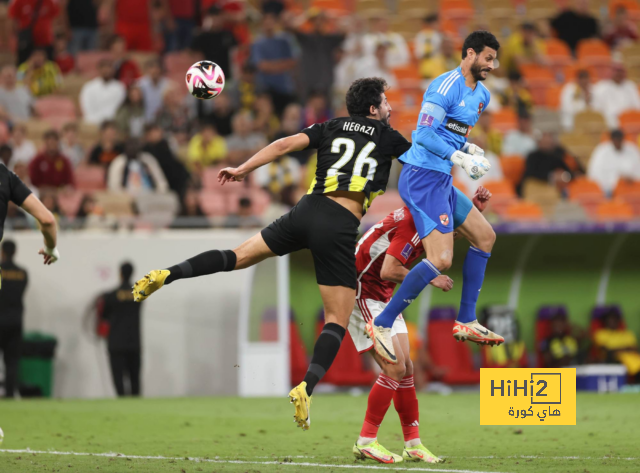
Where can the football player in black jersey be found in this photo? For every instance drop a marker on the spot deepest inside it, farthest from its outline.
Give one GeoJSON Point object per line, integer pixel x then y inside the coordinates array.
{"type": "Point", "coordinates": [354, 160]}
{"type": "Point", "coordinates": [12, 189]}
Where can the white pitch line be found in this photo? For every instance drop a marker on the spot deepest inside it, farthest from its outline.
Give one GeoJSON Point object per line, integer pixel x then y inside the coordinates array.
{"type": "Point", "coordinates": [241, 462]}
{"type": "Point", "coordinates": [537, 457]}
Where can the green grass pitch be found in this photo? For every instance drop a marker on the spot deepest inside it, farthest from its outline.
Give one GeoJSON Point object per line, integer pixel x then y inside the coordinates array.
{"type": "Point", "coordinates": [258, 435]}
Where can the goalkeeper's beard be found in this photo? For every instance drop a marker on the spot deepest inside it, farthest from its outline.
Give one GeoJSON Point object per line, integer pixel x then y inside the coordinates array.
{"type": "Point", "coordinates": [477, 70]}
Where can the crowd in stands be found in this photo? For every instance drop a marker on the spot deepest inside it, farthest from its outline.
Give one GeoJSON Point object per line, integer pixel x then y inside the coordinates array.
{"type": "Point", "coordinates": [92, 103]}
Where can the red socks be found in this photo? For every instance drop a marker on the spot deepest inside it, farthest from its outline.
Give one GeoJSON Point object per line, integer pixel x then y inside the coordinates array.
{"type": "Point", "coordinates": [379, 401]}
{"type": "Point", "coordinates": [406, 403]}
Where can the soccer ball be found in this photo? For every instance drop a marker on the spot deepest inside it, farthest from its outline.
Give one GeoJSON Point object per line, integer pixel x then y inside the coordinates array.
{"type": "Point", "coordinates": [205, 80]}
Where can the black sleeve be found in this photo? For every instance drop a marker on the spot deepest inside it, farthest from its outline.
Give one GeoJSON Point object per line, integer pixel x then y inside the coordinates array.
{"type": "Point", "coordinates": [18, 191]}
{"type": "Point", "coordinates": [94, 156]}
{"type": "Point", "coordinates": [314, 132]}
{"type": "Point", "coordinates": [399, 144]}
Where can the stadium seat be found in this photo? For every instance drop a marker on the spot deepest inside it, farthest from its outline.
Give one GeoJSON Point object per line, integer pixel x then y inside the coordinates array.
{"type": "Point", "coordinates": [445, 352]}
{"type": "Point", "coordinates": [212, 203]}
{"type": "Point", "coordinates": [503, 195]}
{"type": "Point", "coordinates": [87, 62]}
{"type": "Point", "coordinates": [630, 193]}
{"type": "Point", "coordinates": [348, 368]}
{"type": "Point", "coordinates": [523, 211]}
{"type": "Point", "coordinates": [90, 178]}
{"type": "Point", "coordinates": [582, 190]}
{"type": "Point", "coordinates": [557, 52]}
{"type": "Point", "coordinates": [614, 211]}
{"type": "Point", "coordinates": [69, 203]}
{"type": "Point", "coordinates": [589, 122]}
{"type": "Point", "coordinates": [569, 212]}
{"type": "Point", "coordinates": [536, 75]}
{"type": "Point", "coordinates": [543, 326]}
{"type": "Point", "coordinates": [553, 96]}
{"type": "Point", "coordinates": [593, 52]}
{"type": "Point", "coordinates": [160, 209]}
{"type": "Point", "coordinates": [55, 108]}
{"type": "Point", "coordinates": [118, 204]}
{"type": "Point", "coordinates": [632, 6]}
{"type": "Point", "coordinates": [504, 119]}
{"type": "Point", "coordinates": [513, 168]}
{"type": "Point", "coordinates": [456, 10]}
{"type": "Point", "coordinates": [408, 77]}
{"type": "Point", "coordinates": [546, 120]}
{"type": "Point", "coordinates": [542, 194]}
{"type": "Point", "coordinates": [580, 145]}
{"type": "Point", "coordinates": [630, 121]}
{"type": "Point", "coordinates": [178, 63]}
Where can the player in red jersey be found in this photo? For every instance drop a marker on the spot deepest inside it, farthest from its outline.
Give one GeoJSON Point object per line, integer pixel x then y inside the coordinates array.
{"type": "Point", "coordinates": [383, 256]}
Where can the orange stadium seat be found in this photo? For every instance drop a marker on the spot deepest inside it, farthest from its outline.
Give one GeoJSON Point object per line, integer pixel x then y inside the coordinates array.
{"type": "Point", "coordinates": [69, 202]}
{"type": "Point", "coordinates": [55, 108]}
{"type": "Point", "coordinates": [536, 75]}
{"type": "Point", "coordinates": [335, 6]}
{"type": "Point", "coordinates": [587, 193]}
{"type": "Point", "coordinates": [408, 76]}
{"type": "Point", "coordinates": [87, 62]}
{"type": "Point", "coordinates": [504, 119]}
{"type": "Point", "coordinates": [630, 121]}
{"type": "Point", "coordinates": [212, 203]}
{"type": "Point", "coordinates": [210, 177]}
{"type": "Point", "coordinates": [523, 211]}
{"type": "Point", "coordinates": [630, 193]}
{"type": "Point", "coordinates": [503, 195]}
{"type": "Point", "coordinates": [593, 52]}
{"type": "Point", "coordinates": [90, 177]}
{"type": "Point", "coordinates": [614, 211]}
{"type": "Point", "coordinates": [632, 6]}
{"type": "Point", "coordinates": [557, 52]}
{"type": "Point", "coordinates": [456, 10]}
{"type": "Point", "coordinates": [553, 96]}
{"type": "Point", "coordinates": [513, 168]}
{"type": "Point", "coordinates": [178, 62]}
{"type": "Point", "coordinates": [405, 120]}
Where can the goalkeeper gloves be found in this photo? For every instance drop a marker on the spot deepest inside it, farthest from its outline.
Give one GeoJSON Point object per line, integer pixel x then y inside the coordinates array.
{"type": "Point", "coordinates": [474, 165]}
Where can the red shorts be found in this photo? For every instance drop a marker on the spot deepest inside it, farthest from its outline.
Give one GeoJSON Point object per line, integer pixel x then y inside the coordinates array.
{"type": "Point", "coordinates": [138, 36]}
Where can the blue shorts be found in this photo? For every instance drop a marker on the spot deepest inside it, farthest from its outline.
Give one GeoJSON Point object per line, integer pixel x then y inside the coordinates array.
{"type": "Point", "coordinates": [433, 201]}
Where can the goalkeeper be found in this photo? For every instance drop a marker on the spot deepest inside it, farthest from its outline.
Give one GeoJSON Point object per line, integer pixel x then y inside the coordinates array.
{"type": "Point", "coordinates": [451, 106]}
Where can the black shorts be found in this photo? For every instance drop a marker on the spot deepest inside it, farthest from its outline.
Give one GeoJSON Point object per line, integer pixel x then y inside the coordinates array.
{"type": "Point", "coordinates": [326, 228]}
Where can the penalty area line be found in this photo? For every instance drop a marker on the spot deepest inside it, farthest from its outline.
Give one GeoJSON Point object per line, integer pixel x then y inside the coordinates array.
{"type": "Point", "coordinates": [237, 462]}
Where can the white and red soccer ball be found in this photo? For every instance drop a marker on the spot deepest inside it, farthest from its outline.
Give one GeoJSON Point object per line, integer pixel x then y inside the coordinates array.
{"type": "Point", "coordinates": [205, 80]}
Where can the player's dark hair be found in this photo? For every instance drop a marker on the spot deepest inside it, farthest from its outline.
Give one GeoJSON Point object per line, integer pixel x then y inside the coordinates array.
{"type": "Point", "coordinates": [478, 40]}
{"type": "Point", "coordinates": [9, 248]}
{"type": "Point", "coordinates": [126, 271]}
{"type": "Point", "coordinates": [364, 93]}
{"type": "Point", "coordinates": [53, 134]}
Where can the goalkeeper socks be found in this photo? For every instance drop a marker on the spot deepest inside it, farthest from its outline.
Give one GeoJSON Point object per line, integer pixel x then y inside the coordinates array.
{"type": "Point", "coordinates": [209, 262]}
{"type": "Point", "coordinates": [378, 403]}
{"type": "Point", "coordinates": [324, 353]}
{"type": "Point", "coordinates": [473, 270]}
{"type": "Point", "coordinates": [406, 403]}
{"type": "Point", "coordinates": [417, 279]}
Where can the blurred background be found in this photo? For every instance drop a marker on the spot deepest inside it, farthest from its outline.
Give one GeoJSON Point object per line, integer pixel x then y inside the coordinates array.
{"type": "Point", "coordinates": [95, 117]}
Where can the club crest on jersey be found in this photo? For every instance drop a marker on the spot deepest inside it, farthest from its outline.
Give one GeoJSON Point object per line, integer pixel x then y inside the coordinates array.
{"type": "Point", "coordinates": [444, 219]}
{"type": "Point", "coordinates": [480, 105]}
{"type": "Point", "coordinates": [406, 251]}
{"type": "Point", "coordinates": [398, 215]}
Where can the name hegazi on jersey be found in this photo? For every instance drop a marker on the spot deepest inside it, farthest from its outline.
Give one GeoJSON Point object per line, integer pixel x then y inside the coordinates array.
{"type": "Point", "coordinates": [353, 126]}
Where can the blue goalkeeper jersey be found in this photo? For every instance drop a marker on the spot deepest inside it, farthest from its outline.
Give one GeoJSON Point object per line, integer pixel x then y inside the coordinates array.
{"type": "Point", "coordinates": [450, 109]}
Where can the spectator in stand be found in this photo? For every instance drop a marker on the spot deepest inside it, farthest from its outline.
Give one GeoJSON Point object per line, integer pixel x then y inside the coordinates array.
{"type": "Point", "coordinates": [317, 58]}
{"type": "Point", "coordinates": [614, 160]}
{"type": "Point", "coordinates": [214, 42]}
{"type": "Point", "coordinates": [523, 47]}
{"type": "Point", "coordinates": [69, 146]}
{"type": "Point", "coordinates": [175, 115]}
{"type": "Point", "coordinates": [622, 30]}
{"type": "Point", "coordinates": [343, 74]}
{"type": "Point", "coordinates": [131, 20]}
{"type": "Point", "coordinates": [222, 114]}
{"type": "Point", "coordinates": [14, 98]}
{"type": "Point", "coordinates": [446, 59]}
{"type": "Point", "coordinates": [6, 153]}
{"type": "Point", "coordinates": [5, 125]}
{"type": "Point", "coordinates": [126, 70]}
{"type": "Point", "coordinates": [613, 96]}
{"type": "Point", "coordinates": [153, 87]}
{"type": "Point", "coordinates": [23, 149]}
{"type": "Point", "coordinates": [34, 27]}
{"type": "Point", "coordinates": [50, 201]}
{"type": "Point", "coordinates": [316, 109]}
{"type": "Point", "coordinates": [280, 179]}
{"type": "Point", "coordinates": [50, 169]}
{"type": "Point", "coordinates": [130, 117]}
{"type": "Point", "coordinates": [516, 95]}
{"type": "Point", "coordinates": [574, 24]}
{"type": "Point", "coordinates": [521, 141]}
{"type": "Point", "coordinates": [564, 346]}
{"type": "Point", "coordinates": [376, 65]}
{"type": "Point", "coordinates": [136, 171]}
{"type": "Point", "coordinates": [22, 171]}
{"type": "Point", "coordinates": [575, 97]}
{"type": "Point", "coordinates": [617, 344]}
{"type": "Point", "coordinates": [471, 185]}
{"type": "Point", "coordinates": [491, 136]}
{"type": "Point", "coordinates": [397, 51]}
{"type": "Point", "coordinates": [246, 89]}
{"type": "Point", "coordinates": [428, 41]}
{"type": "Point", "coordinates": [191, 214]}
{"type": "Point", "coordinates": [63, 58]}
{"type": "Point", "coordinates": [265, 119]}
{"type": "Point", "coordinates": [245, 218]}
{"type": "Point", "coordinates": [179, 24]}
{"type": "Point", "coordinates": [243, 142]}
{"type": "Point", "coordinates": [547, 163]}
{"type": "Point", "coordinates": [82, 16]}
{"type": "Point", "coordinates": [206, 148]}
{"type": "Point", "coordinates": [39, 74]}
{"type": "Point", "coordinates": [273, 56]}
{"type": "Point", "coordinates": [108, 147]}
{"type": "Point", "coordinates": [174, 171]}
{"type": "Point", "coordinates": [101, 97]}
{"type": "Point", "coordinates": [291, 124]}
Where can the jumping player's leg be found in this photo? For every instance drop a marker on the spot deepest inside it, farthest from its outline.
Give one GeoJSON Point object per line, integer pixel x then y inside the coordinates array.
{"type": "Point", "coordinates": [251, 252]}
{"type": "Point", "coordinates": [480, 234]}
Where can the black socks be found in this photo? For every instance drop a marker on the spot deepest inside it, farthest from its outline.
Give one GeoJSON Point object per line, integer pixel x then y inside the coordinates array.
{"type": "Point", "coordinates": [209, 262]}
{"type": "Point", "coordinates": [324, 353]}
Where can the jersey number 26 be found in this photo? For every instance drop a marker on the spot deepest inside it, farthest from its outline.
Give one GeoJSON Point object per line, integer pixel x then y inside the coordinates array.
{"type": "Point", "coordinates": [362, 158]}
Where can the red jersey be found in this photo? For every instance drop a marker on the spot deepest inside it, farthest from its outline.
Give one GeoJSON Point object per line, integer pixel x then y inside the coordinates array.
{"type": "Point", "coordinates": [22, 12]}
{"type": "Point", "coordinates": [395, 235]}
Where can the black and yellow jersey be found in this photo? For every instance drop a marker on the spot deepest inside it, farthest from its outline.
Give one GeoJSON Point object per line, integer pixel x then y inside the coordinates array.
{"type": "Point", "coordinates": [354, 154]}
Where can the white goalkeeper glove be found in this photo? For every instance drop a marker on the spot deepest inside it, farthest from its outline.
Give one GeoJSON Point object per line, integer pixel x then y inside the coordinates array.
{"type": "Point", "coordinates": [51, 255]}
{"type": "Point", "coordinates": [475, 166]}
{"type": "Point", "coordinates": [470, 148]}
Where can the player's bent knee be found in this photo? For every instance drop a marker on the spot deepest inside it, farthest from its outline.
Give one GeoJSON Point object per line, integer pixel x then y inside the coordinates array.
{"type": "Point", "coordinates": [442, 261]}
{"type": "Point", "coordinates": [334, 318]}
{"type": "Point", "coordinates": [408, 367]}
{"type": "Point", "coordinates": [395, 372]}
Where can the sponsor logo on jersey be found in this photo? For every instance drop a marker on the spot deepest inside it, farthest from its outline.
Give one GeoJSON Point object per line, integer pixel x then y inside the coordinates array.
{"type": "Point", "coordinates": [459, 128]}
{"type": "Point", "coordinates": [398, 215]}
{"type": "Point", "coordinates": [444, 219]}
{"type": "Point", "coordinates": [426, 120]}
{"type": "Point", "coordinates": [480, 106]}
{"type": "Point", "coordinates": [406, 252]}
{"type": "Point", "coordinates": [461, 104]}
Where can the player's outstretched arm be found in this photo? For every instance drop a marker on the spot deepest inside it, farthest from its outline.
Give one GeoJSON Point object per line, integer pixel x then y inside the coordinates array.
{"type": "Point", "coordinates": [266, 155]}
{"type": "Point", "coordinates": [48, 228]}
